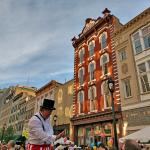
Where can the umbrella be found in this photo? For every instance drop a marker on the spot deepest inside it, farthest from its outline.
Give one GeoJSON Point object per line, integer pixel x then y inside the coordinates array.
{"type": "Point", "coordinates": [142, 135]}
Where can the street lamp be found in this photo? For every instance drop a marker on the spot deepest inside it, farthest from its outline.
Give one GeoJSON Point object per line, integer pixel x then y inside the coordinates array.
{"type": "Point", "coordinates": [111, 87]}
{"type": "Point", "coordinates": [55, 119]}
{"type": "Point", "coordinates": [3, 131]}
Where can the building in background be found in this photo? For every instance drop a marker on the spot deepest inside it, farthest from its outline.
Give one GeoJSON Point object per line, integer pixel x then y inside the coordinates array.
{"type": "Point", "coordinates": [63, 102]}
{"type": "Point", "coordinates": [132, 45]}
{"type": "Point", "coordinates": [30, 107]}
{"type": "Point", "coordinates": [94, 63]}
{"type": "Point", "coordinates": [14, 101]}
{"type": "Point", "coordinates": [47, 91]}
{"type": "Point", "coordinates": [6, 104]}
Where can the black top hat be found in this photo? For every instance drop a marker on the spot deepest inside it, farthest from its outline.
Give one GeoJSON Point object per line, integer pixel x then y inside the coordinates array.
{"type": "Point", "coordinates": [48, 104]}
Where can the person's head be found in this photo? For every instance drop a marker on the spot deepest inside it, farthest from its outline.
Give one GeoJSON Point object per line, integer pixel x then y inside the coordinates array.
{"type": "Point", "coordinates": [47, 107]}
{"type": "Point", "coordinates": [4, 147]}
{"type": "Point", "coordinates": [131, 145]}
{"type": "Point", "coordinates": [11, 144]}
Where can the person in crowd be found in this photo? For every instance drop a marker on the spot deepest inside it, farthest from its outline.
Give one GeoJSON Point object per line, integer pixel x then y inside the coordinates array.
{"type": "Point", "coordinates": [11, 145]}
{"type": "Point", "coordinates": [20, 142]}
{"type": "Point", "coordinates": [4, 147]}
{"type": "Point", "coordinates": [131, 145]}
{"type": "Point", "coordinates": [41, 134]}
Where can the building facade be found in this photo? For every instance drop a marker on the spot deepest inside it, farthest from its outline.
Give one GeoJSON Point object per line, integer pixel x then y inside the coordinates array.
{"type": "Point", "coordinates": [63, 103]}
{"type": "Point", "coordinates": [47, 91]}
{"type": "Point", "coordinates": [94, 64]}
{"type": "Point", "coordinates": [132, 46]}
{"type": "Point", "coordinates": [14, 107]}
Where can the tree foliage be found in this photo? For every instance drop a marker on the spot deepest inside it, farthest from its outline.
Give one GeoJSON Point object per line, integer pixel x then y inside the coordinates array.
{"type": "Point", "coordinates": [8, 134]}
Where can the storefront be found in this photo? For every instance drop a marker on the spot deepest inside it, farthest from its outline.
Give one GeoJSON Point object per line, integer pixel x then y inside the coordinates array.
{"type": "Point", "coordinates": [95, 127]}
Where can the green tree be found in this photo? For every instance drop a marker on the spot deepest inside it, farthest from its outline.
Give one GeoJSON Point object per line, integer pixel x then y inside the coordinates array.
{"type": "Point", "coordinates": [8, 134]}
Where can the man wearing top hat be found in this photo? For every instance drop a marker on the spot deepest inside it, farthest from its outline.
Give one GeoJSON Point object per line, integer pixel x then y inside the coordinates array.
{"type": "Point", "coordinates": [41, 134]}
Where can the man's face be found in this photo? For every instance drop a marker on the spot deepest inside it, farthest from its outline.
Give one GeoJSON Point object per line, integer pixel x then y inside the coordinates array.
{"type": "Point", "coordinates": [46, 113]}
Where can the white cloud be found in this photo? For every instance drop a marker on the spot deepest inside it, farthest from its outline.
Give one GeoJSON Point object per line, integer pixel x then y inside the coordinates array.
{"type": "Point", "coordinates": [35, 35]}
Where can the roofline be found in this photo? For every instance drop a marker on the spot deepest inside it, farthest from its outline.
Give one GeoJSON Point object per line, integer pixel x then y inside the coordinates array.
{"type": "Point", "coordinates": [132, 21]}
{"type": "Point", "coordinates": [46, 85]}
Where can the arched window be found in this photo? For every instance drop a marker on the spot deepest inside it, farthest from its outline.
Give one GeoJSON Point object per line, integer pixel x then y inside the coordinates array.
{"type": "Point", "coordinates": [103, 62]}
{"type": "Point", "coordinates": [103, 40]}
{"type": "Point", "coordinates": [106, 95]}
{"type": "Point", "coordinates": [92, 97]}
{"type": "Point", "coordinates": [81, 75]}
{"type": "Point", "coordinates": [81, 101]}
{"type": "Point", "coordinates": [91, 69]}
{"type": "Point", "coordinates": [91, 48]}
{"type": "Point", "coordinates": [81, 55]}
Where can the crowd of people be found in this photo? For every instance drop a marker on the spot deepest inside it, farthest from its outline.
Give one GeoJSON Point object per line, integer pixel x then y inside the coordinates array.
{"type": "Point", "coordinates": [41, 136]}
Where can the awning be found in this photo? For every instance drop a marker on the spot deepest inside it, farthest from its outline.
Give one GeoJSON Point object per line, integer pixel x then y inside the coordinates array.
{"type": "Point", "coordinates": [142, 135]}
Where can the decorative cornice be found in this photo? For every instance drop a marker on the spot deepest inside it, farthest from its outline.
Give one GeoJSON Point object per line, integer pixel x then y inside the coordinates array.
{"type": "Point", "coordinates": [133, 21]}
{"type": "Point", "coordinates": [91, 25]}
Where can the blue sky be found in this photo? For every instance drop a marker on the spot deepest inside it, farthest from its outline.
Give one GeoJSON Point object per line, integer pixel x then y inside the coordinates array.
{"type": "Point", "coordinates": [35, 36]}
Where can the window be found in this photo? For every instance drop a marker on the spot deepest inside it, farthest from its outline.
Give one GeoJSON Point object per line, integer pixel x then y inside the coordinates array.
{"type": "Point", "coordinates": [91, 48]}
{"type": "Point", "coordinates": [146, 36]}
{"type": "Point", "coordinates": [141, 39]}
{"type": "Point", "coordinates": [106, 95]}
{"type": "Point", "coordinates": [144, 76]}
{"type": "Point", "coordinates": [103, 61]}
{"type": "Point", "coordinates": [81, 75]}
{"type": "Point", "coordinates": [122, 55]}
{"type": "Point", "coordinates": [127, 88]}
{"type": "Point", "coordinates": [92, 97]}
{"type": "Point", "coordinates": [81, 55]}
{"type": "Point", "coordinates": [103, 40]}
{"type": "Point", "coordinates": [80, 100]}
{"type": "Point", "coordinates": [137, 43]}
{"type": "Point", "coordinates": [91, 70]}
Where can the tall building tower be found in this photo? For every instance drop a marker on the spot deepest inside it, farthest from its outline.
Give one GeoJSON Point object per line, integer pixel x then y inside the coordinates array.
{"type": "Point", "coordinates": [94, 64]}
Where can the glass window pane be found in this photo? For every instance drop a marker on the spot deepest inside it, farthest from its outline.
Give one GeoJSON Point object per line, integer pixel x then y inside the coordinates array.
{"type": "Point", "coordinates": [142, 68]}
{"type": "Point", "coordinates": [145, 83]}
{"type": "Point", "coordinates": [127, 88]}
{"type": "Point", "coordinates": [147, 41]}
{"type": "Point", "coordinates": [81, 56]}
{"type": "Point", "coordinates": [104, 41]}
{"type": "Point", "coordinates": [138, 46]}
{"type": "Point", "coordinates": [122, 55]}
{"type": "Point", "coordinates": [104, 59]}
{"type": "Point", "coordinates": [146, 30]}
{"type": "Point", "coordinates": [136, 36]}
{"type": "Point", "coordinates": [91, 48]}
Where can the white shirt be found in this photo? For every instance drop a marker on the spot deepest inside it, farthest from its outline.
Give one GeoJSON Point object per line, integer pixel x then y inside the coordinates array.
{"type": "Point", "coordinates": [37, 135]}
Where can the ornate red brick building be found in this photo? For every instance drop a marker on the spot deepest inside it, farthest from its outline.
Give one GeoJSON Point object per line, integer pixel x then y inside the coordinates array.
{"type": "Point", "coordinates": [94, 63]}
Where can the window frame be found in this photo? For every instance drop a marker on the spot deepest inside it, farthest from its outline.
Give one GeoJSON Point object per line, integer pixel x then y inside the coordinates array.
{"type": "Point", "coordinates": [125, 86]}
{"type": "Point", "coordinates": [81, 57]}
{"type": "Point", "coordinates": [122, 54]}
{"type": "Point", "coordinates": [103, 46]}
{"type": "Point", "coordinates": [104, 65]}
{"type": "Point", "coordinates": [91, 72]}
{"type": "Point", "coordinates": [93, 48]}
{"type": "Point", "coordinates": [104, 83]}
{"type": "Point", "coordinates": [79, 102]}
{"type": "Point", "coordinates": [81, 80]}
{"type": "Point", "coordinates": [90, 98]}
{"type": "Point", "coordinates": [144, 87]}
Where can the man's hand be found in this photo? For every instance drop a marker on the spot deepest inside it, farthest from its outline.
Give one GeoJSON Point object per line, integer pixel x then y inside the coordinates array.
{"type": "Point", "coordinates": [61, 134]}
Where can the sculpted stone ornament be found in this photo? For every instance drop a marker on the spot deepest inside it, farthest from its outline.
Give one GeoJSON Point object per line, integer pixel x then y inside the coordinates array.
{"type": "Point", "coordinates": [89, 23]}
